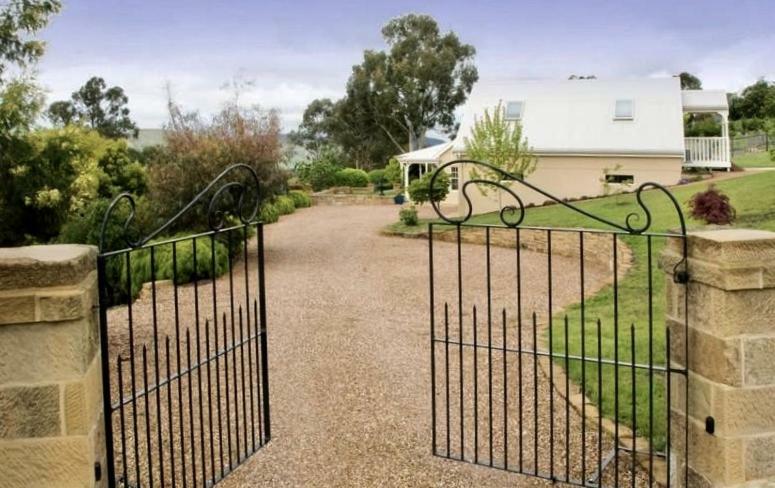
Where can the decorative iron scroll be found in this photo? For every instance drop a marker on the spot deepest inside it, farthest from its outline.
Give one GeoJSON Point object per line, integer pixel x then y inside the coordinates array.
{"type": "Point", "coordinates": [508, 212]}
{"type": "Point", "coordinates": [216, 217]}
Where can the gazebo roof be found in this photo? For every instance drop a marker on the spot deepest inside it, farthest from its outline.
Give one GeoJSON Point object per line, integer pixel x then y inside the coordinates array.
{"type": "Point", "coordinates": [429, 154]}
{"type": "Point", "coordinates": [704, 100]}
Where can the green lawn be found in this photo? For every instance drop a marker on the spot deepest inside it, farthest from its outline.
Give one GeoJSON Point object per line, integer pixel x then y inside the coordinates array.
{"type": "Point", "coordinates": [754, 160]}
{"type": "Point", "coordinates": [754, 199]}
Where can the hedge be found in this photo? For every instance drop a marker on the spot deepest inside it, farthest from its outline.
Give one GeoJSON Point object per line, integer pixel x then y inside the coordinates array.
{"type": "Point", "coordinates": [285, 205]}
{"type": "Point", "coordinates": [352, 177]}
{"type": "Point", "coordinates": [300, 199]}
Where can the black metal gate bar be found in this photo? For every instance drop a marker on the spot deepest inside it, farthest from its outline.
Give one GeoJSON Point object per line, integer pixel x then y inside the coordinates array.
{"type": "Point", "coordinates": [151, 448]}
{"type": "Point", "coordinates": [551, 451]}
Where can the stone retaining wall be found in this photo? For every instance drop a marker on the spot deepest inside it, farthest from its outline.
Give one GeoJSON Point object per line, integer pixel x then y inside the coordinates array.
{"type": "Point", "coordinates": [337, 197]}
{"type": "Point", "coordinates": [598, 247]}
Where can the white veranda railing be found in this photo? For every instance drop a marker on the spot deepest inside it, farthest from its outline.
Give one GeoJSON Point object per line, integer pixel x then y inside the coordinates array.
{"type": "Point", "coordinates": [707, 151]}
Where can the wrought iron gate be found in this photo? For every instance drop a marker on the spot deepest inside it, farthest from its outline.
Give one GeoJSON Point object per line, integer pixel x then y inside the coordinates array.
{"type": "Point", "coordinates": [184, 351]}
{"type": "Point", "coordinates": [523, 385]}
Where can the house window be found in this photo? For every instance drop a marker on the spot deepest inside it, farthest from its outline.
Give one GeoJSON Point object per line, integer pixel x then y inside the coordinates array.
{"type": "Point", "coordinates": [454, 178]}
{"type": "Point", "coordinates": [623, 110]}
{"type": "Point", "coordinates": [620, 179]}
{"type": "Point", "coordinates": [514, 110]}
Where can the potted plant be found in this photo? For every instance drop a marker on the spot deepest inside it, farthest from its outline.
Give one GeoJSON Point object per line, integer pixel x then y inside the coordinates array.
{"type": "Point", "coordinates": [399, 199]}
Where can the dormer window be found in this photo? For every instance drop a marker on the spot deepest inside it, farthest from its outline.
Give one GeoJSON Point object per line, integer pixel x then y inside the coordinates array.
{"type": "Point", "coordinates": [514, 110]}
{"type": "Point", "coordinates": [623, 110]}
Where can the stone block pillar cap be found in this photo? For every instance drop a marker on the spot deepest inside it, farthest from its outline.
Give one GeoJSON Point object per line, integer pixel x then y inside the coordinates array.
{"type": "Point", "coordinates": [44, 266]}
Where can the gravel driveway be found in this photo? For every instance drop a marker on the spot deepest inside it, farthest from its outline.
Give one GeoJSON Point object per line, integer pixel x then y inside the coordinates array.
{"type": "Point", "coordinates": [349, 351]}
{"type": "Point", "coordinates": [349, 357]}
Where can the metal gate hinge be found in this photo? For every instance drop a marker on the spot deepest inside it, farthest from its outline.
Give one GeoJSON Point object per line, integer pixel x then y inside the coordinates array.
{"type": "Point", "coordinates": [710, 425]}
{"type": "Point", "coordinates": [681, 277]}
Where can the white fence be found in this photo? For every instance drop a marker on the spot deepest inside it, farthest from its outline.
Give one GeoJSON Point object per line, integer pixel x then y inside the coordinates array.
{"type": "Point", "coordinates": [711, 152]}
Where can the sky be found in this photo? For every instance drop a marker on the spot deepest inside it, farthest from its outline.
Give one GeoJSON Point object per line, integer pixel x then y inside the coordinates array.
{"type": "Point", "coordinates": [292, 52]}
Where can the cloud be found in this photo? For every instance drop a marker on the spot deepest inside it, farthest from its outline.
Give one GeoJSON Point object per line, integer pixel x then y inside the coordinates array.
{"type": "Point", "coordinates": [287, 81]}
{"type": "Point", "coordinates": [739, 64]}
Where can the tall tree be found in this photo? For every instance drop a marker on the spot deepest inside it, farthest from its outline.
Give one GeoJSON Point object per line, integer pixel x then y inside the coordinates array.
{"type": "Point", "coordinates": [97, 106]}
{"type": "Point", "coordinates": [19, 20]}
{"type": "Point", "coordinates": [756, 101]}
{"type": "Point", "coordinates": [346, 125]}
{"type": "Point", "coordinates": [689, 81]}
{"type": "Point", "coordinates": [418, 83]}
{"type": "Point", "coordinates": [394, 97]}
{"type": "Point", "coordinates": [20, 104]}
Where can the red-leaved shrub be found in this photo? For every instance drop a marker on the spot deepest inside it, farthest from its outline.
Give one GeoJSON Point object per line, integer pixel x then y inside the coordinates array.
{"type": "Point", "coordinates": [712, 206]}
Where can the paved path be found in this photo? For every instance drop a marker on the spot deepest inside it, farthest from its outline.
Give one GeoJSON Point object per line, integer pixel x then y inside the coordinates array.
{"type": "Point", "coordinates": [349, 359]}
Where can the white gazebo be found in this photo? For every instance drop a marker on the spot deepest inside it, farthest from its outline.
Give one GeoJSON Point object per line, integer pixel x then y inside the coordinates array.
{"type": "Point", "coordinates": [425, 159]}
{"type": "Point", "coordinates": [707, 152]}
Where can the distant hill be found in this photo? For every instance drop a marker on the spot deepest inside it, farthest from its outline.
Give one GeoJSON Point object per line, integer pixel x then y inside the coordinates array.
{"type": "Point", "coordinates": [146, 138]}
{"type": "Point", "coordinates": [295, 153]}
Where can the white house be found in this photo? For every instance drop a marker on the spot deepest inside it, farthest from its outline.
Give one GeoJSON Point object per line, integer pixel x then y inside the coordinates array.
{"type": "Point", "coordinates": [590, 135]}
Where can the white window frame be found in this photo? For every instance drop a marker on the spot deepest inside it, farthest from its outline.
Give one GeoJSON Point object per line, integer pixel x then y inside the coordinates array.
{"type": "Point", "coordinates": [631, 116]}
{"type": "Point", "coordinates": [454, 178]}
{"type": "Point", "coordinates": [521, 110]}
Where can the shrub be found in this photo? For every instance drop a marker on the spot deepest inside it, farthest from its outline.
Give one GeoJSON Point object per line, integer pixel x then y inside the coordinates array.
{"type": "Point", "coordinates": [352, 177]}
{"type": "Point", "coordinates": [408, 215]}
{"type": "Point", "coordinates": [83, 227]}
{"type": "Point", "coordinates": [712, 206]}
{"type": "Point", "coordinates": [140, 264]}
{"type": "Point", "coordinates": [59, 173]}
{"type": "Point", "coordinates": [268, 213]}
{"type": "Point", "coordinates": [379, 180]}
{"type": "Point", "coordinates": [420, 191]}
{"type": "Point", "coordinates": [285, 205]}
{"type": "Point", "coordinates": [320, 172]}
{"type": "Point", "coordinates": [377, 176]}
{"type": "Point", "coordinates": [393, 172]}
{"type": "Point", "coordinates": [300, 199]}
{"type": "Point", "coordinates": [199, 149]}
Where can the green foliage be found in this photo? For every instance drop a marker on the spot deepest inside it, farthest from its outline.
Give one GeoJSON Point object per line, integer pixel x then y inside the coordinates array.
{"type": "Point", "coordinates": [198, 150]}
{"type": "Point", "coordinates": [268, 213]}
{"type": "Point", "coordinates": [393, 172]}
{"type": "Point", "coordinates": [420, 189]}
{"type": "Point", "coordinates": [499, 142]}
{"type": "Point", "coordinates": [352, 177]}
{"type": "Point", "coordinates": [285, 205]}
{"type": "Point", "coordinates": [83, 227]}
{"type": "Point", "coordinates": [97, 106]}
{"type": "Point", "coordinates": [394, 96]}
{"type": "Point", "coordinates": [59, 174]}
{"type": "Point", "coordinates": [321, 171]}
{"type": "Point", "coordinates": [377, 177]}
{"type": "Point", "coordinates": [121, 172]}
{"type": "Point", "coordinates": [689, 81]}
{"type": "Point", "coordinates": [408, 215]}
{"type": "Point", "coordinates": [300, 199]}
{"type": "Point", "coordinates": [756, 101]}
{"type": "Point", "coordinates": [701, 125]}
{"type": "Point", "coordinates": [141, 271]}
{"type": "Point", "coordinates": [418, 83]}
{"type": "Point", "coordinates": [19, 21]}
